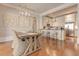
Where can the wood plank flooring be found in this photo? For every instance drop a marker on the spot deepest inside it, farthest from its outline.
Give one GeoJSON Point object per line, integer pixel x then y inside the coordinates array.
{"type": "Point", "coordinates": [52, 47]}
{"type": "Point", "coordinates": [49, 47]}
{"type": "Point", "coordinates": [5, 49]}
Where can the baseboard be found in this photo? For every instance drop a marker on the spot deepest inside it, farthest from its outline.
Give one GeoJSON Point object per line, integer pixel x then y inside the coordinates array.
{"type": "Point", "coordinates": [4, 39]}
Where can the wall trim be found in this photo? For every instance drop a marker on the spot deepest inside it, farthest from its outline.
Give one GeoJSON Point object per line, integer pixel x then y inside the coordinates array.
{"type": "Point", "coordinates": [57, 9]}
{"type": "Point", "coordinates": [5, 39]}
{"type": "Point", "coordinates": [21, 9]}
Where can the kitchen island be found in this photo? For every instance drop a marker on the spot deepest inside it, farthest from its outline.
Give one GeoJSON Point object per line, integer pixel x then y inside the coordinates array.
{"type": "Point", "coordinates": [53, 33]}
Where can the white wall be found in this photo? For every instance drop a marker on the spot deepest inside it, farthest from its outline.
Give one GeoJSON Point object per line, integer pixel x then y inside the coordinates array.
{"type": "Point", "coordinates": [2, 27]}
{"type": "Point", "coordinates": [77, 24]}
{"type": "Point", "coordinates": [10, 20]}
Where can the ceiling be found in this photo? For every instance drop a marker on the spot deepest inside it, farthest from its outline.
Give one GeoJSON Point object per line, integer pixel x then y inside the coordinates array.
{"type": "Point", "coordinates": [37, 7]}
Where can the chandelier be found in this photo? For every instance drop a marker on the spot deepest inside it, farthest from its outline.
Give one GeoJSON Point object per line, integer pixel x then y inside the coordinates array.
{"type": "Point", "coordinates": [25, 13]}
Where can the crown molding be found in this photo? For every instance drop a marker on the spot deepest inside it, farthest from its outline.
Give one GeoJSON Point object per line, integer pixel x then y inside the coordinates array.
{"type": "Point", "coordinates": [19, 8]}
{"type": "Point", "coordinates": [57, 8]}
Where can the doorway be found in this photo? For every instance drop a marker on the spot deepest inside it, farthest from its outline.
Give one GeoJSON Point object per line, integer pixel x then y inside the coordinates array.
{"type": "Point", "coordinates": [70, 30]}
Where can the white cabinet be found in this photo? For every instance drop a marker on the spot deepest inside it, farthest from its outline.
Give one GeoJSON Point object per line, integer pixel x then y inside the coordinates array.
{"type": "Point", "coordinates": [52, 34]}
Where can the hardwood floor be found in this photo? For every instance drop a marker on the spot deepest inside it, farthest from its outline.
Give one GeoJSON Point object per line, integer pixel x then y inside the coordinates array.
{"type": "Point", "coordinates": [5, 49]}
{"type": "Point", "coordinates": [49, 47]}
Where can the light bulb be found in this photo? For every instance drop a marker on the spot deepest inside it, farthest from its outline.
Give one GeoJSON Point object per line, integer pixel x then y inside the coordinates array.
{"type": "Point", "coordinates": [26, 14]}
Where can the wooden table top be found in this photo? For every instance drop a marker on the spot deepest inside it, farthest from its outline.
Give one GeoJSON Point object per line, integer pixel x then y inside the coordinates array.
{"type": "Point", "coordinates": [29, 34]}
{"type": "Point", "coordinates": [32, 34]}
